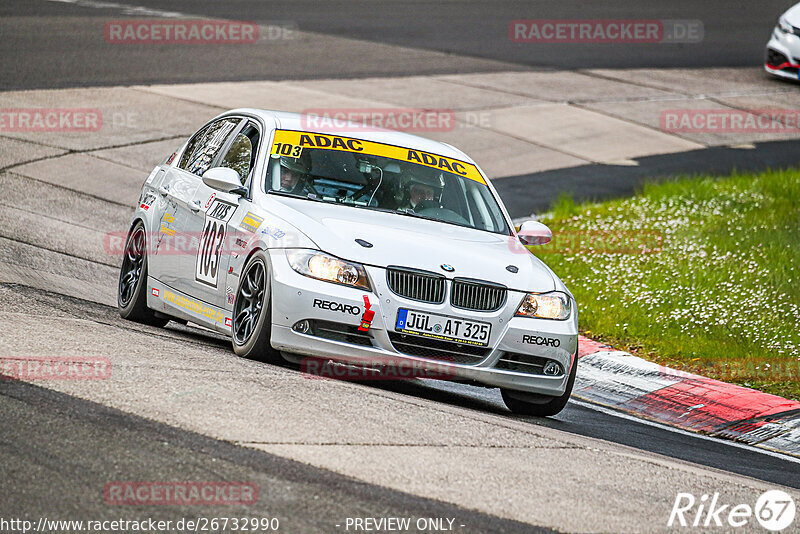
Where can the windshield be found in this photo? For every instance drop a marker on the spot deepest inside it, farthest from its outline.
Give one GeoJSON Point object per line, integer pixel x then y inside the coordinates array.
{"type": "Point", "coordinates": [363, 174]}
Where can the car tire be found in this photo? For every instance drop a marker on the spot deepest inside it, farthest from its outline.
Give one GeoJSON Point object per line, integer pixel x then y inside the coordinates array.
{"type": "Point", "coordinates": [523, 403]}
{"type": "Point", "coordinates": [252, 313]}
{"type": "Point", "coordinates": [132, 285]}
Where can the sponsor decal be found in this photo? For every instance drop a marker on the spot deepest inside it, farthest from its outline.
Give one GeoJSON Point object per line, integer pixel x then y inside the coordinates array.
{"type": "Point", "coordinates": [230, 294]}
{"type": "Point", "coordinates": [221, 210]}
{"type": "Point", "coordinates": [241, 242]}
{"type": "Point", "coordinates": [251, 222]}
{"type": "Point", "coordinates": [146, 200]}
{"type": "Point", "coordinates": [336, 306]}
{"type": "Point", "coordinates": [275, 233]}
{"type": "Point", "coordinates": [170, 159]}
{"type": "Point", "coordinates": [212, 242]}
{"type": "Point", "coordinates": [539, 340]}
{"type": "Point", "coordinates": [348, 144]}
{"type": "Point", "coordinates": [154, 291]}
{"type": "Point", "coordinates": [369, 314]}
{"type": "Point", "coordinates": [194, 306]}
{"type": "Point", "coordinates": [166, 224]}
{"type": "Point", "coordinates": [179, 493]}
{"type": "Point", "coordinates": [210, 199]}
{"type": "Point", "coordinates": [228, 322]}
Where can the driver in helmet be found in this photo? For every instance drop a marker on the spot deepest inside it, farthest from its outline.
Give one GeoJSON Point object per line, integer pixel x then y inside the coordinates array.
{"type": "Point", "coordinates": [294, 174]}
{"type": "Point", "coordinates": [422, 192]}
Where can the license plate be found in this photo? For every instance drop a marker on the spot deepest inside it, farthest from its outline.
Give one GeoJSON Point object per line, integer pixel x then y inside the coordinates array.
{"type": "Point", "coordinates": [442, 327]}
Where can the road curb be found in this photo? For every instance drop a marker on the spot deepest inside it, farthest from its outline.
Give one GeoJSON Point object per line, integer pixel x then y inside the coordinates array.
{"type": "Point", "coordinates": [630, 384]}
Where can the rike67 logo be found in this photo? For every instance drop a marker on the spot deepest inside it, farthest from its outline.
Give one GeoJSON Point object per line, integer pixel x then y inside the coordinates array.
{"type": "Point", "coordinates": [774, 510]}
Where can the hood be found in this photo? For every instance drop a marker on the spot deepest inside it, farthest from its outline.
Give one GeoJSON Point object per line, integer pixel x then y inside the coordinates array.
{"type": "Point", "coordinates": [418, 243]}
{"type": "Point", "coordinates": [792, 16]}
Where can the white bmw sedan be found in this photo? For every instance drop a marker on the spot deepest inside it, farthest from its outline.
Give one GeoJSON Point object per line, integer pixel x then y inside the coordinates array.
{"type": "Point", "coordinates": [365, 247]}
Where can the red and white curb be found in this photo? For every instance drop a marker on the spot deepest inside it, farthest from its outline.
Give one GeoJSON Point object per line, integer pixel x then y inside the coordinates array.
{"type": "Point", "coordinates": [650, 391]}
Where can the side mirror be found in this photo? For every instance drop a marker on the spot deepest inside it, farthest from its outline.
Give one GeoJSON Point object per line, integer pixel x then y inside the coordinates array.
{"type": "Point", "coordinates": [534, 233]}
{"type": "Point", "coordinates": [224, 179]}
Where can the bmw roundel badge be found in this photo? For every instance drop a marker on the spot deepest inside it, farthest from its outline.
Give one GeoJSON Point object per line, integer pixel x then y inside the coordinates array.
{"type": "Point", "coordinates": [448, 268]}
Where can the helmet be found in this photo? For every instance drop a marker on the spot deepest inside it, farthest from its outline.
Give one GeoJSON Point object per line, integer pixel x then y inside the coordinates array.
{"type": "Point", "coordinates": [435, 182]}
{"type": "Point", "coordinates": [301, 164]}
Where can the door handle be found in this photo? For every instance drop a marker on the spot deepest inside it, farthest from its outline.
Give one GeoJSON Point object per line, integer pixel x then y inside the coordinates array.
{"type": "Point", "coordinates": [163, 190]}
{"type": "Point", "coordinates": [194, 206]}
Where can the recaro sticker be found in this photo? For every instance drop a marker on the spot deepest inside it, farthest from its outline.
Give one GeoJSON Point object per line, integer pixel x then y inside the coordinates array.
{"type": "Point", "coordinates": [294, 140]}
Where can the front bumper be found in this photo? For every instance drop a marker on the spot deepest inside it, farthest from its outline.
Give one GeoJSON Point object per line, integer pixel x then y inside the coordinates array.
{"type": "Point", "coordinates": [782, 56]}
{"type": "Point", "coordinates": [297, 298]}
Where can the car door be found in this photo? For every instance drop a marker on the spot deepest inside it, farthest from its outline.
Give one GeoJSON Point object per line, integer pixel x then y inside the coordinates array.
{"type": "Point", "coordinates": [212, 222]}
{"type": "Point", "coordinates": [175, 240]}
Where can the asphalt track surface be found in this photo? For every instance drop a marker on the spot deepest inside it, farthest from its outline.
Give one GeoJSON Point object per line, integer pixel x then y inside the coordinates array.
{"type": "Point", "coordinates": [63, 448]}
{"type": "Point", "coordinates": [59, 43]}
{"type": "Point", "coordinates": [93, 440]}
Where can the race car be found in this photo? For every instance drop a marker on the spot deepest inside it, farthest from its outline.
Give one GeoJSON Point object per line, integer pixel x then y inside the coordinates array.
{"type": "Point", "coordinates": [362, 247]}
{"type": "Point", "coordinates": [782, 57]}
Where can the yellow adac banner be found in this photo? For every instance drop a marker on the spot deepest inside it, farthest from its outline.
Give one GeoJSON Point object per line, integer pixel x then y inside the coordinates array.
{"type": "Point", "coordinates": [291, 143]}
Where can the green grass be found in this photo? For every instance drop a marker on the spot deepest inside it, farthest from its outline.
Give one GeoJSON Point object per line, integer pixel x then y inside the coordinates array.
{"type": "Point", "coordinates": [700, 274]}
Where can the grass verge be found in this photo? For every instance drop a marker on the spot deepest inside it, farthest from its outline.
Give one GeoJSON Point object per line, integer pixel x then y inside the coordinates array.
{"type": "Point", "coordinates": [700, 274]}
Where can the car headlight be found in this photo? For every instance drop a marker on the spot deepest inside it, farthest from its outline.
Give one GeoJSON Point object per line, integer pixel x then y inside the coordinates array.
{"type": "Point", "coordinates": [553, 305]}
{"type": "Point", "coordinates": [317, 264]}
{"type": "Point", "coordinates": [784, 26]}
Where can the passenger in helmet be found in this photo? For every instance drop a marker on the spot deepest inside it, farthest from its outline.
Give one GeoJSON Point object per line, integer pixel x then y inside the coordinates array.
{"type": "Point", "coordinates": [422, 192]}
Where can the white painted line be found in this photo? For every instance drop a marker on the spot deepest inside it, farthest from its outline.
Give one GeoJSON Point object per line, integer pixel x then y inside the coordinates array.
{"type": "Point", "coordinates": [622, 415]}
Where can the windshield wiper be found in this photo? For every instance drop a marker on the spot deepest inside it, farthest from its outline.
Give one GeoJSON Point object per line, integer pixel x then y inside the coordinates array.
{"type": "Point", "coordinates": [409, 212]}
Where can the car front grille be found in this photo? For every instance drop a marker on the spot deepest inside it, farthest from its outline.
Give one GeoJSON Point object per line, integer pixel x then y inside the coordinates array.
{"type": "Point", "coordinates": [434, 349]}
{"type": "Point", "coordinates": [416, 285]}
{"type": "Point", "coordinates": [339, 332]}
{"type": "Point", "coordinates": [476, 295]}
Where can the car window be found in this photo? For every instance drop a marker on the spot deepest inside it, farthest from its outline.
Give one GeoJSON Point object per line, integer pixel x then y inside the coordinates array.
{"type": "Point", "coordinates": [204, 146]}
{"type": "Point", "coordinates": [241, 155]}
